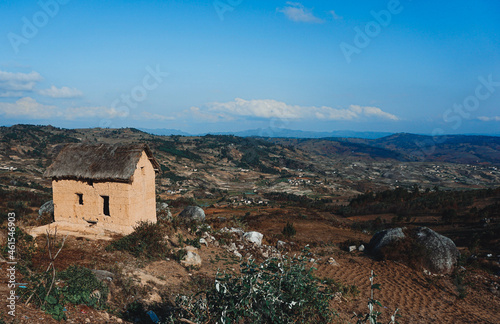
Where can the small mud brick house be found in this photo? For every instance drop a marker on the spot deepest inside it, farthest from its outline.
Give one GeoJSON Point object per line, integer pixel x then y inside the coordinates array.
{"type": "Point", "coordinates": [106, 185]}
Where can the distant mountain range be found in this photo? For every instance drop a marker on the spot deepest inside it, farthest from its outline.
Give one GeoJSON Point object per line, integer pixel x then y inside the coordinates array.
{"type": "Point", "coordinates": [290, 133]}
{"type": "Point", "coordinates": [275, 133]}
{"type": "Point", "coordinates": [164, 131]}
{"type": "Point", "coordinates": [471, 149]}
{"type": "Point", "coordinates": [263, 153]}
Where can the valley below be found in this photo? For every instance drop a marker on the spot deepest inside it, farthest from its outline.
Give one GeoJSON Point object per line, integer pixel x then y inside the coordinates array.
{"type": "Point", "coordinates": [335, 193]}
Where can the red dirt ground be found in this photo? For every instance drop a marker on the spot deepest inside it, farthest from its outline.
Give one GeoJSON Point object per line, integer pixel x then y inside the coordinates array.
{"type": "Point", "coordinates": [420, 298]}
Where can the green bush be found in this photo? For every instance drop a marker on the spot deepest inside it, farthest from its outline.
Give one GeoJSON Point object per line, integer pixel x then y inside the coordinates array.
{"type": "Point", "coordinates": [194, 242]}
{"type": "Point", "coordinates": [43, 294]}
{"type": "Point", "coordinates": [80, 286]}
{"type": "Point", "coordinates": [289, 230]}
{"type": "Point", "coordinates": [275, 291]}
{"type": "Point", "coordinates": [147, 240]}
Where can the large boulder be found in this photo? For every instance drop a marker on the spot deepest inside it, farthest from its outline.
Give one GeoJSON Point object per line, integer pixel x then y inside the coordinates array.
{"type": "Point", "coordinates": [253, 237]}
{"type": "Point", "coordinates": [384, 238]}
{"type": "Point", "coordinates": [47, 208]}
{"type": "Point", "coordinates": [442, 254]}
{"type": "Point", "coordinates": [421, 247]}
{"type": "Point", "coordinates": [193, 213]}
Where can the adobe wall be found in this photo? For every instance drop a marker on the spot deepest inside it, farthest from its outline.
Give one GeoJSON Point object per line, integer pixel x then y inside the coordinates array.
{"type": "Point", "coordinates": [143, 192]}
{"type": "Point", "coordinates": [128, 203]}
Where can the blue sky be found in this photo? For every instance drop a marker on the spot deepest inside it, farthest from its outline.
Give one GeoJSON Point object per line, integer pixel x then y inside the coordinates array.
{"type": "Point", "coordinates": [229, 65]}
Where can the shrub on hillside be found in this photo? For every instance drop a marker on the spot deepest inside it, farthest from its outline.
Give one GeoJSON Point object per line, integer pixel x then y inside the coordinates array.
{"type": "Point", "coordinates": [79, 287]}
{"type": "Point", "coordinates": [275, 291]}
{"type": "Point", "coordinates": [147, 240]}
{"type": "Point", "coordinates": [83, 287]}
{"type": "Point", "coordinates": [289, 230]}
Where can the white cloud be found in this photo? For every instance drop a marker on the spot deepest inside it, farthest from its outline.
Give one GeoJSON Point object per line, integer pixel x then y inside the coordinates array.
{"type": "Point", "coordinates": [484, 118]}
{"type": "Point", "coordinates": [211, 116]}
{"type": "Point", "coordinates": [372, 112]}
{"type": "Point", "coordinates": [148, 115]}
{"type": "Point", "coordinates": [63, 92]}
{"type": "Point", "coordinates": [298, 13]}
{"type": "Point", "coordinates": [268, 108]}
{"type": "Point", "coordinates": [10, 81]}
{"type": "Point", "coordinates": [335, 16]}
{"type": "Point", "coordinates": [28, 107]}
{"type": "Point", "coordinates": [91, 112]}
{"type": "Point", "coordinates": [11, 94]}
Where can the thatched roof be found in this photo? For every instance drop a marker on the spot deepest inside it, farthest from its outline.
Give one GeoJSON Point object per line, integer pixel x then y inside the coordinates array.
{"type": "Point", "coordinates": [99, 162]}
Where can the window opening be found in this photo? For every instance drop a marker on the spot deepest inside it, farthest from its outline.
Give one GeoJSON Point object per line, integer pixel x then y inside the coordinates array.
{"type": "Point", "coordinates": [105, 205]}
{"type": "Point", "coordinates": [80, 198]}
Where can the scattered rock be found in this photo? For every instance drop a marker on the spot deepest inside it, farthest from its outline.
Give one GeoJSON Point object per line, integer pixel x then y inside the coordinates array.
{"type": "Point", "coordinates": [361, 248]}
{"type": "Point", "coordinates": [203, 241]}
{"type": "Point", "coordinates": [253, 237]}
{"type": "Point", "coordinates": [337, 297]}
{"type": "Point", "coordinates": [233, 230]}
{"type": "Point", "coordinates": [46, 208]}
{"type": "Point", "coordinates": [103, 275]}
{"type": "Point", "coordinates": [231, 247]}
{"type": "Point", "coordinates": [238, 254]}
{"type": "Point", "coordinates": [331, 261]}
{"type": "Point", "coordinates": [280, 245]}
{"type": "Point", "coordinates": [352, 248]}
{"type": "Point", "coordinates": [209, 238]}
{"type": "Point", "coordinates": [193, 213]}
{"type": "Point", "coordinates": [192, 258]}
{"type": "Point", "coordinates": [163, 212]}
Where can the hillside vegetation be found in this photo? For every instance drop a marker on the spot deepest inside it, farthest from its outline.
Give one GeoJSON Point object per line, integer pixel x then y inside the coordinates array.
{"type": "Point", "coordinates": [312, 200]}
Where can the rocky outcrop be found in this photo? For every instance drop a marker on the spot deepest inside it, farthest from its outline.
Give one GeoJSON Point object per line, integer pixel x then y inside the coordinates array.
{"type": "Point", "coordinates": [193, 213]}
{"type": "Point", "coordinates": [192, 258]}
{"type": "Point", "coordinates": [385, 238]}
{"type": "Point", "coordinates": [47, 208]}
{"type": "Point", "coordinates": [420, 246]}
{"type": "Point", "coordinates": [103, 275]}
{"type": "Point", "coordinates": [253, 237]}
{"type": "Point", "coordinates": [163, 212]}
{"type": "Point", "coordinates": [442, 253]}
